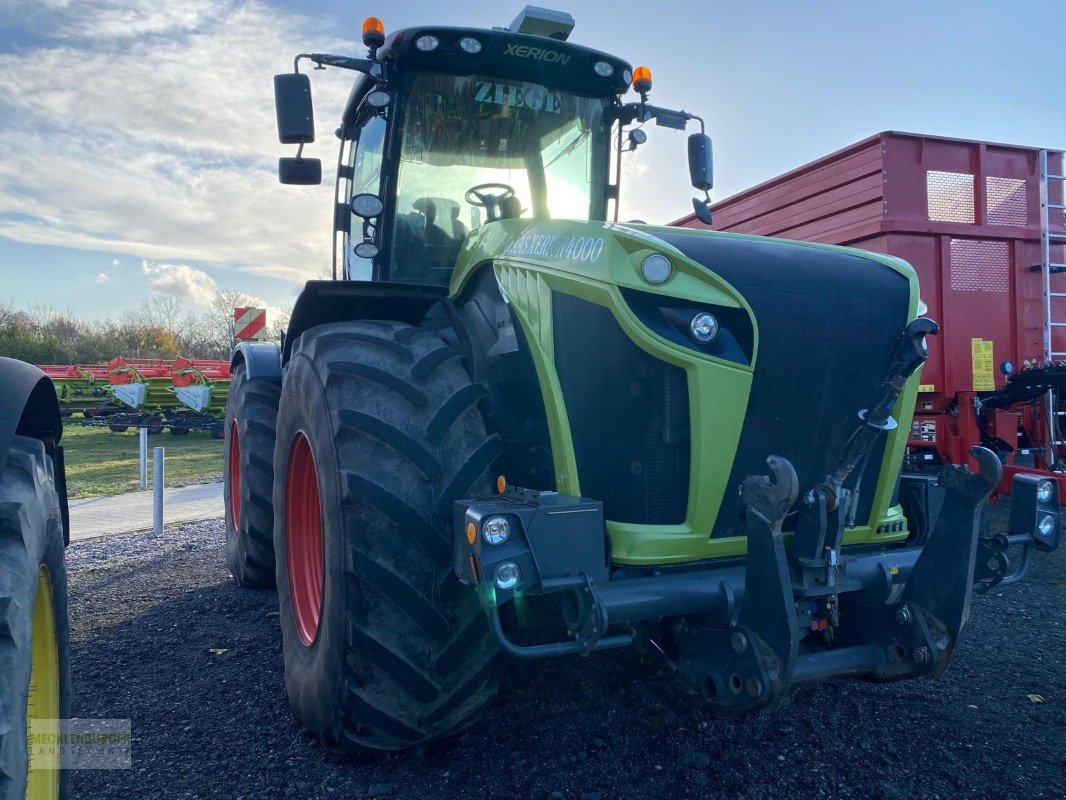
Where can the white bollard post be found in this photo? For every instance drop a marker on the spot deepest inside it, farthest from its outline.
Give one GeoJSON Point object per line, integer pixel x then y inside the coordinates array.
{"type": "Point", "coordinates": [157, 491]}
{"type": "Point", "coordinates": [144, 457]}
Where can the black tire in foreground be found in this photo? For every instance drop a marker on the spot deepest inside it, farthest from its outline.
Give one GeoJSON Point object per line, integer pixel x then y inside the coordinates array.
{"type": "Point", "coordinates": [378, 433]}
{"type": "Point", "coordinates": [251, 417]}
{"type": "Point", "coordinates": [34, 669]}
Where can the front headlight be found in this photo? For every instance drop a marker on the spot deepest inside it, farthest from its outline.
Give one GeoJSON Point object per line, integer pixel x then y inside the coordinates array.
{"type": "Point", "coordinates": [1044, 491]}
{"type": "Point", "coordinates": [507, 575]}
{"type": "Point", "coordinates": [703, 326]}
{"type": "Point", "coordinates": [495, 530]}
{"type": "Point", "coordinates": [656, 268]}
{"type": "Point", "coordinates": [1047, 525]}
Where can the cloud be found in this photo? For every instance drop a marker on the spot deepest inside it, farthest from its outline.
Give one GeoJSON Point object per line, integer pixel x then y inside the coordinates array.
{"type": "Point", "coordinates": [181, 281]}
{"type": "Point", "coordinates": [115, 263]}
{"type": "Point", "coordinates": [171, 108]}
{"type": "Point", "coordinates": [105, 19]}
{"type": "Point", "coordinates": [101, 277]}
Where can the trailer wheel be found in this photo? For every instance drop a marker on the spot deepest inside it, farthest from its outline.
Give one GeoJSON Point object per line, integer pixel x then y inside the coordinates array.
{"type": "Point", "coordinates": [251, 417]}
{"type": "Point", "coordinates": [378, 433]}
{"type": "Point", "coordinates": [178, 431]}
{"type": "Point", "coordinates": [154, 425]}
{"type": "Point", "coordinates": [118, 428]}
{"type": "Point", "coordinates": [33, 621]}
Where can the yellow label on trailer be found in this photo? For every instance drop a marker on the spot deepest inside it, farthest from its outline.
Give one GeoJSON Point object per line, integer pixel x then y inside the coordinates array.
{"type": "Point", "coordinates": [926, 387]}
{"type": "Point", "coordinates": [984, 379]}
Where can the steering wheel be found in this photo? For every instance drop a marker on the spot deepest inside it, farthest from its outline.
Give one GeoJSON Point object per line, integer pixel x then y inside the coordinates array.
{"type": "Point", "coordinates": [477, 196]}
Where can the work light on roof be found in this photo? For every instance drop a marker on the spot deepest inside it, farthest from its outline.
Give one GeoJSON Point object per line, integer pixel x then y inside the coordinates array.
{"type": "Point", "coordinates": [470, 45]}
{"type": "Point", "coordinates": [427, 42]}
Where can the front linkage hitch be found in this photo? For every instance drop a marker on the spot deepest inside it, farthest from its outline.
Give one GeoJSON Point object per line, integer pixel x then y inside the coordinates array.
{"type": "Point", "coordinates": [880, 631]}
{"type": "Point", "coordinates": [741, 634]}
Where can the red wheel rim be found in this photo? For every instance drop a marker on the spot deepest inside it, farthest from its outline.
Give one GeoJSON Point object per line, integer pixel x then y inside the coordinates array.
{"type": "Point", "coordinates": [235, 476]}
{"type": "Point", "coordinates": [303, 539]}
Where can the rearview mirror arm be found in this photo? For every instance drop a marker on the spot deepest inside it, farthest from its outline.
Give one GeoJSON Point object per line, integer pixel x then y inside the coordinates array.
{"type": "Point", "coordinates": [321, 60]}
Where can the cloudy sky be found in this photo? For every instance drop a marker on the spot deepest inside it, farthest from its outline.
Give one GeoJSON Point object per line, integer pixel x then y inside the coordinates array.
{"type": "Point", "coordinates": [138, 150]}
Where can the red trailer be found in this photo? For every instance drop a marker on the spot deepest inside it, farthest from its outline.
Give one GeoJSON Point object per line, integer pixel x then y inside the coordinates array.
{"type": "Point", "coordinates": [983, 224]}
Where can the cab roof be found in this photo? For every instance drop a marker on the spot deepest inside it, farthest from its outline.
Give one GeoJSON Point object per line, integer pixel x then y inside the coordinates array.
{"type": "Point", "coordinates": [504, 54]}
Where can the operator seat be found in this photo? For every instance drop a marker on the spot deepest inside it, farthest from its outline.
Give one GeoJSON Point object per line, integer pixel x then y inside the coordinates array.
{"type": "Point", "coordinates": [510, 208]}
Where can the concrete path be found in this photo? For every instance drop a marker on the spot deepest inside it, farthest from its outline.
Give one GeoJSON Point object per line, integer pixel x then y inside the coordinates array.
{"type": "Point", "coordinates": [121, 513]}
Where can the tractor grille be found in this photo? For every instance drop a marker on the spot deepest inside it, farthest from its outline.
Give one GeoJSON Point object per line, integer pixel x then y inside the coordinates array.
{"type": "Point", "coordinates": [628, 416]}
{"type": "Point", "coordinates": [827, 323]}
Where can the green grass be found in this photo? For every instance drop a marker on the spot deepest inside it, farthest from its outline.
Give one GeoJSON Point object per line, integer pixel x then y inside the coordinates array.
{"type": "Point", "coordinates": [100, 462]}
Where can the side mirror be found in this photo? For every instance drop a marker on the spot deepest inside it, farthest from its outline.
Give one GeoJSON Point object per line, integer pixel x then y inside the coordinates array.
{"type": "Point", "coordinates": [300, 171]}
{"type": "Point", "coordinates": [292, 101]}
{"type": "Point", "coordinates": [700, 162]}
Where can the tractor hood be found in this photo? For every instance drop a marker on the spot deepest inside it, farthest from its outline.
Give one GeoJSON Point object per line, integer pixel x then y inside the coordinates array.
{"type": "Point", "coordinates": [828, 322]}
{"type": "Point", "coordinates": [663, 428]}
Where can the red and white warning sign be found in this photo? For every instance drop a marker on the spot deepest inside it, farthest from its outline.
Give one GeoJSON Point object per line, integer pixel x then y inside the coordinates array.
{"type": "Point", "coordinates": [249, 323]}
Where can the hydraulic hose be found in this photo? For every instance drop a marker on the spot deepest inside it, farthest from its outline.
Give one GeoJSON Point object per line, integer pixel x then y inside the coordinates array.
{"type": "Point", "coordinates": [911, 353]}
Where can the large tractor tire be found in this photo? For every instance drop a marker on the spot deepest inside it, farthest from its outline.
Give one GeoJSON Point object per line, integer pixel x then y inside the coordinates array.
{"type": "Point", "coordinates": [379, 432]}
{"type": "Point", "coordinates": [34, 671]}
{"type": "Point", "coordinates": [251, 417]}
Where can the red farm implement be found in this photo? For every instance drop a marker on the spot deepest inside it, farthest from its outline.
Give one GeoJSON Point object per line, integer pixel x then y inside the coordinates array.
{"type": "Point", "coordinates": [81, 388]}
{"type": "Point", "coordinates": [202, 386]}
{"type": "Point", "coordinates": [182, 395]}
{"type": "Point", "coordinates": [174, 395]}
{"type": "Point", "coordinates": [983, 225]}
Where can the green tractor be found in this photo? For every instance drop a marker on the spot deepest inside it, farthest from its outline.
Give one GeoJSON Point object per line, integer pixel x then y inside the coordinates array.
{"type": "Point", "coordinates": [675, 440]}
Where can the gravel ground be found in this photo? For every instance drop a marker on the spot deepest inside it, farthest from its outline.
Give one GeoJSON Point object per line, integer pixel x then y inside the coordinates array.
{"type": "Point", "coordinates": [147, 614]}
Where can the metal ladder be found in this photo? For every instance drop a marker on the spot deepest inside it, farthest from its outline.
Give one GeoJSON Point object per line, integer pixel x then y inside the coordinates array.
{"type": "Point", "coordinates": [1048, 268]}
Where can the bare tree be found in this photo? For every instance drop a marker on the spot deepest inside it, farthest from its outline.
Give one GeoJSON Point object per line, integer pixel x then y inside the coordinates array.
{"type": "Point", "coordinates": [7, 313]}
{"type": "Point", "coordinates": [163, 311]}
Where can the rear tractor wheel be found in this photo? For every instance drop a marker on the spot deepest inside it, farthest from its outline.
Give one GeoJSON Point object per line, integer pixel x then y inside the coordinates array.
{"type": "Point", "coordinates": [251, 417]}
{"type": "Point", "coordinates": [34, 672]}
{"type": "Point", "coordinates": [378, 433]}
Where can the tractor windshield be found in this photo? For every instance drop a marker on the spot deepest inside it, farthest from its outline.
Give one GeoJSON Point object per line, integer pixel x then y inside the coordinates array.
{"type": "Point", "coordinates": [525, 150]}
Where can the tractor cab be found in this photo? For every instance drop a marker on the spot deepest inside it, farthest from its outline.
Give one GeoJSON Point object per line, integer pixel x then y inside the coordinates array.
{"type": "Point", "coordinates": [448, 129]}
